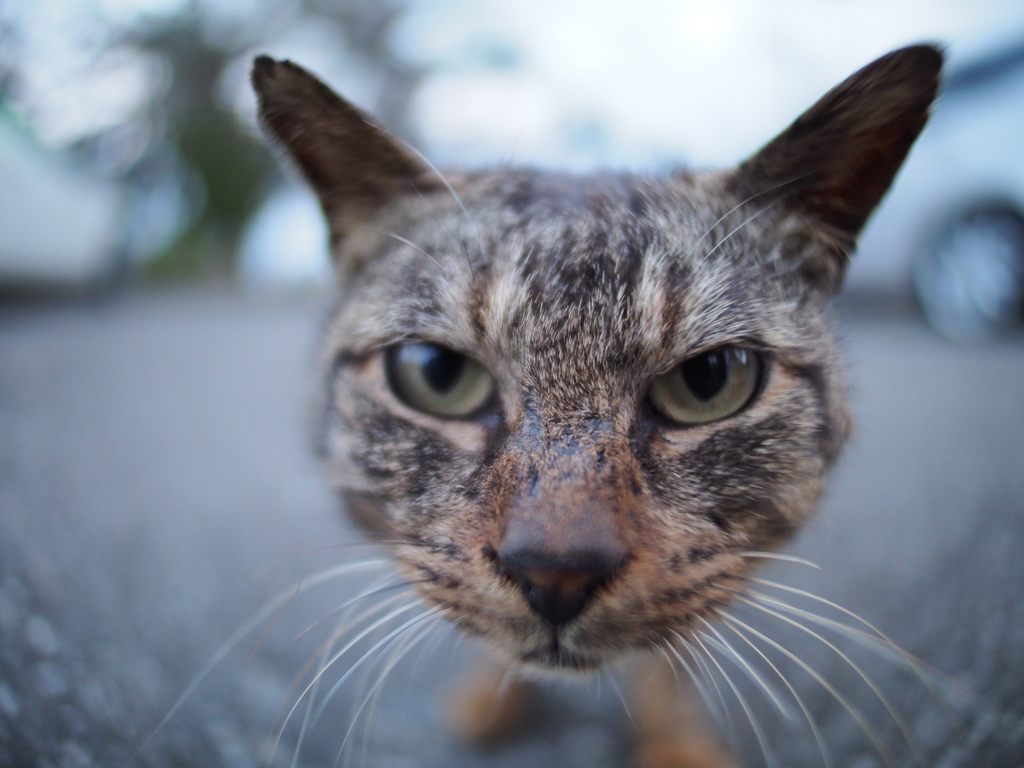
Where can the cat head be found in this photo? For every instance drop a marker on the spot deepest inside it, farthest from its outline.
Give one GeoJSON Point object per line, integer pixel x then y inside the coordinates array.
{"type": "Point", "coordinates": [578, 403]}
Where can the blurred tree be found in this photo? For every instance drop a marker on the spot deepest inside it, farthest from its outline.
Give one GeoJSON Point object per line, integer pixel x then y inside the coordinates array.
{"type": "Point", "coordinates": [194, 145]}
{"type": "Point", "coordinates": [234, 169]}
{"type": "Point", "coordinates": [230, 165]}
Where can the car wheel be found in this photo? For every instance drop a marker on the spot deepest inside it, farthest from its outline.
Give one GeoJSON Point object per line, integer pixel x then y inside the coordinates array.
{"type": "Point", "coordinates": [970, 284]}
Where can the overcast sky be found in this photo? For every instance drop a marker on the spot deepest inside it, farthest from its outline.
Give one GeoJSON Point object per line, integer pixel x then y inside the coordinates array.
{"type": "Point", "coordinates": [601, 81]}
{"type": "Point", "coordinates": [573, 83]}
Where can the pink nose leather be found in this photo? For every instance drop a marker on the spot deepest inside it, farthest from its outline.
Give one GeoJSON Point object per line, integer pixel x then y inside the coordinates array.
{"type": "Point", "coordinates": [558, 595]}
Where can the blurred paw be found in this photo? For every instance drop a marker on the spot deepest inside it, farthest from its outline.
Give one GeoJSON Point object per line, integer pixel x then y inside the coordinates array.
{"type": "Point", "coordinates": [490, 707]}
{"type": "Point", "coordinates": [698, 753]}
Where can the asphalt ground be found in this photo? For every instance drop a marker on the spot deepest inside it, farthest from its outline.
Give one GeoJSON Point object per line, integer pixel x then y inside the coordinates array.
{"type": "Point", "coordinates": [157, 488]}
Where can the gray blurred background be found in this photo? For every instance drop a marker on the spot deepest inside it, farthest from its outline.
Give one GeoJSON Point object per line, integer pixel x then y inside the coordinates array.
{"type": "Point", "coordinates": [162, 282]}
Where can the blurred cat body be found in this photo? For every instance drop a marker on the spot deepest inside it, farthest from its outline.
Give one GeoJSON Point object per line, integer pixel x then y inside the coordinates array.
{"type": "Point", "coordinates": [577, 514]}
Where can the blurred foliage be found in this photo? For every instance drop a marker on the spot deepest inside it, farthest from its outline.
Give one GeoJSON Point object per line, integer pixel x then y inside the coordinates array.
{"type": "Point", "coordinates": [232, 166]}
{"type": "Point", "coordinates": [195, 145]}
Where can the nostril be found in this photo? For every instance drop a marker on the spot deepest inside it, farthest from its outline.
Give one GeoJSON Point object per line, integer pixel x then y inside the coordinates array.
{"type": "Point", "coordinates": [562, 582]}
{"type": "Point", "coordinates": [558, 594]}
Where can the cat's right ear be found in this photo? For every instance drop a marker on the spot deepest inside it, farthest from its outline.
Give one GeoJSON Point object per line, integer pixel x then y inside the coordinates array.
{"type": "Point", "coordinates": [834, 163]}
{"type": "Point", "coordinates": [355, 167]}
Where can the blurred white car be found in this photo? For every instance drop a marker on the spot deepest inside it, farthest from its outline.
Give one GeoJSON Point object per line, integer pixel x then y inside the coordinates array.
{"type": "Point", "coordinates": [952, 227]}
{"type": "Point", "coordinates": [59, 227]}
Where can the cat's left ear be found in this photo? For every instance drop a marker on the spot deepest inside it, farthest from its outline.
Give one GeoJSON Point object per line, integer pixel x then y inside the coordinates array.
{"type": "Point", "coordinates": [834, 163]}
{"type": "Point", "coordinates": [355, 166]}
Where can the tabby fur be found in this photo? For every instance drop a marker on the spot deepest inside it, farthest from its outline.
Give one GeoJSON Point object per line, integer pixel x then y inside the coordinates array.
{"type": "Point", "coordinates": [574, 292]}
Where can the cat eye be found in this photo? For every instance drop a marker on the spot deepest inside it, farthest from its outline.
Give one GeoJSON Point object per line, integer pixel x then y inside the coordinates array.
{"type": "Point", "coordinates": [707, 387]}
{"type": "Point", "coordinates": [438, 381]}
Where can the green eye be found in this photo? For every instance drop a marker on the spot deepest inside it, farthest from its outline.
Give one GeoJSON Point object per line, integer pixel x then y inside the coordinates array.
{"type": "Point", "coordinates": [437, 380]}
{"type": "Point", "coordinates": [707, 387]}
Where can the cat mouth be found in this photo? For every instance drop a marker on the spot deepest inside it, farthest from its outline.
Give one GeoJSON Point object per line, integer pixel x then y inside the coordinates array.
{"type": "Point", "coordinates": [554, 655]}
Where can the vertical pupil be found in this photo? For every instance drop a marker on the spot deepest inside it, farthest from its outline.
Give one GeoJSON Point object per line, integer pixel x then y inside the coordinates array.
{"type": "Point", "coordinates": [441, 368]}
{"type": "Point", "coordinates": [705, 375]}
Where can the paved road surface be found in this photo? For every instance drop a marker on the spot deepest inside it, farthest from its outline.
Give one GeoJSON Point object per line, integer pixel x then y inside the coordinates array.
{"type": "Point", "coordinates": [156, 488]}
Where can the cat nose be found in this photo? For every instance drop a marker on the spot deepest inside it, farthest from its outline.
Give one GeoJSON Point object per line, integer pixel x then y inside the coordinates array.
{"type": "Point", "coordinates": [558, 587]}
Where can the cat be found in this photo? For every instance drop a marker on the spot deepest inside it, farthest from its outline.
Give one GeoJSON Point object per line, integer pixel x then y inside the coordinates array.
{"type": "Point", "coordinates": [583, 408]}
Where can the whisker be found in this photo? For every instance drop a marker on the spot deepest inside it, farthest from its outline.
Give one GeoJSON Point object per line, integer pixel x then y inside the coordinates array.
{"type": "Point", "coordinates": [897, 718]}
{"type": "Point", "coordinates": [727, 647]}
{"type": "Point", "coordinates": [469, 219]}
{"type": "Point", "coordinates": [823, 601]}
{"type": "Point", "coordinates": [800, 702]}
{"type": "Point", "coordinates": [455, 646]}
{"type": "Point", "coordinates": [883, 648]}
{"type": "Point", "coordinates": [671, 665]}
{"type": "Point", "coordinates": [436, 633]}
{"type": "Point", "coordinates": [365, 692]}
{"type": "Point", "coordinates": [739, 205]}
{"type": "Point", "coordinates": [413, 245]}
{"type": "Point", "coordinates": [239, 634]}
{"type": "Point", "coordinates": [403, 643]}
{"type": "Point", "coordinates": [308, 549]}
{"type": "Point", "coordinates": [867, 640]}
{"type": "Point", "coordinates": [365, 595]}
{"type": "Point", "coordinates": [383, 642]}
{"type": "Point", "coordinates": [336, 634]}
{"type": "Point", "coordinates": [666, 255]}
{"type": "Point", "coordinates": [328, 568]}
{"type": "Point", "coordinates": [333, 660]}
{"type": "Point", "coordinates": [780, 556]}
{"type": "Point", "coordinates": [912, 661]}
{"type": "Point", "coordinates": [857, 716]}
{"type": "Point", "coordinates": [440, 176]}
{"type": "Point", "coordinates": [757, 214]}
{"type": "Point", "coordinates": [341, 627]}
{"type": "Point", "coordinates": [328, 647]}
{"type": "Point", "coordinates": [410, 643]}
{"type": "Point", "coordinates": [709, 677]}
{"type": "Point", "coordinates": [758, 733]}
{"type": "Point", "coordinates": [892, 653]}
{"type": "Point", "coordinates": [622, 699]}
{"type": "Point", "coordinates": [506, 681]}
{"type": "Point", "coordinates": [704, 693]}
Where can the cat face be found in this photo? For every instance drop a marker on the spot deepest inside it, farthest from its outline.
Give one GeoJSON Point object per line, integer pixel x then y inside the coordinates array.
{"type": "Point", "coordinates": [579, 403]}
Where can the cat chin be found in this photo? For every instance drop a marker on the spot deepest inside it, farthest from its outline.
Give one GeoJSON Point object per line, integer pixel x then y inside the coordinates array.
{"type": "Point", "coordinates": [555, 657]}
{"type": "Point", "coordinates": [554, 661]}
